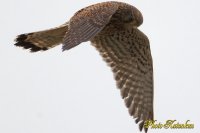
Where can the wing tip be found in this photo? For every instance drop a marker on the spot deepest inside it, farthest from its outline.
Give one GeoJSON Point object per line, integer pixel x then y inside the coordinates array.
{"type": "Point", "coordinates": [142, 122]}
{"type": "Point", "coordinates": [21, 42]}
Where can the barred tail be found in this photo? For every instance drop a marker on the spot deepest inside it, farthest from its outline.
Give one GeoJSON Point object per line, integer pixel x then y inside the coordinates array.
{"type": "Point", "coordinates": [42, 40]}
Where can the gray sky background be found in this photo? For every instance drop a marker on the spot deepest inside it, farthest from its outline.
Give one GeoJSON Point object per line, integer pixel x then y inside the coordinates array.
{"type": "Point", "coordinates": [74, 91]}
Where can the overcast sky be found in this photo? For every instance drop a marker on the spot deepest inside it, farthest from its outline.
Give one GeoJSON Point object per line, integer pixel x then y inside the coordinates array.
{"type": "Point", "coordinates": [74, 91]}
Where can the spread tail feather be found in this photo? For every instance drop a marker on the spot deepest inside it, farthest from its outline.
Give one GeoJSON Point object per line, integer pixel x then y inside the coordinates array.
{"type": "Point", "coordinates": [42, 40]}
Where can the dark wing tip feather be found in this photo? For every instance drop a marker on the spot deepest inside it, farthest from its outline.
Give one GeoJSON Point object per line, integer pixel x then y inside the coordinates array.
{"type": "Point", "coordinates": [142, 122]}
{"type": "Point", "coordinates": [141, 127]}
{"type": "Point", "coordinates": [21, 42]}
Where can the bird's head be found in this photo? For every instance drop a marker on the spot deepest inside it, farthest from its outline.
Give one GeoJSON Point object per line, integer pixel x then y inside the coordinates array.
{"type": "Point", "coordinates": [129, 14]}
{"type": "Point", "coordinates": [137, 18]}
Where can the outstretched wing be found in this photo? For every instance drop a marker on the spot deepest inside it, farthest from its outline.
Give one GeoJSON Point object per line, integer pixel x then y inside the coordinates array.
{"type": "Point", "coordinates": [88, 22]}
{"type": "Point", "coordinates": [128, 54]}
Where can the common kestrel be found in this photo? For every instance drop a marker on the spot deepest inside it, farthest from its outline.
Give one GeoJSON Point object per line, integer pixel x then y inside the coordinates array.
{"type": "Point", "coordinates": [112, 27]}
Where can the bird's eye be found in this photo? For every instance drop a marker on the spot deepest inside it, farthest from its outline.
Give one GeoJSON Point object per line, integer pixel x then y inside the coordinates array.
{"type": "Point", "coordinates": [128, 18]}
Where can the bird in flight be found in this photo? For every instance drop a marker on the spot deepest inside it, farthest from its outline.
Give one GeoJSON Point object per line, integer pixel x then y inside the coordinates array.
{"type": "Point", "coordinates": [111, 27]}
